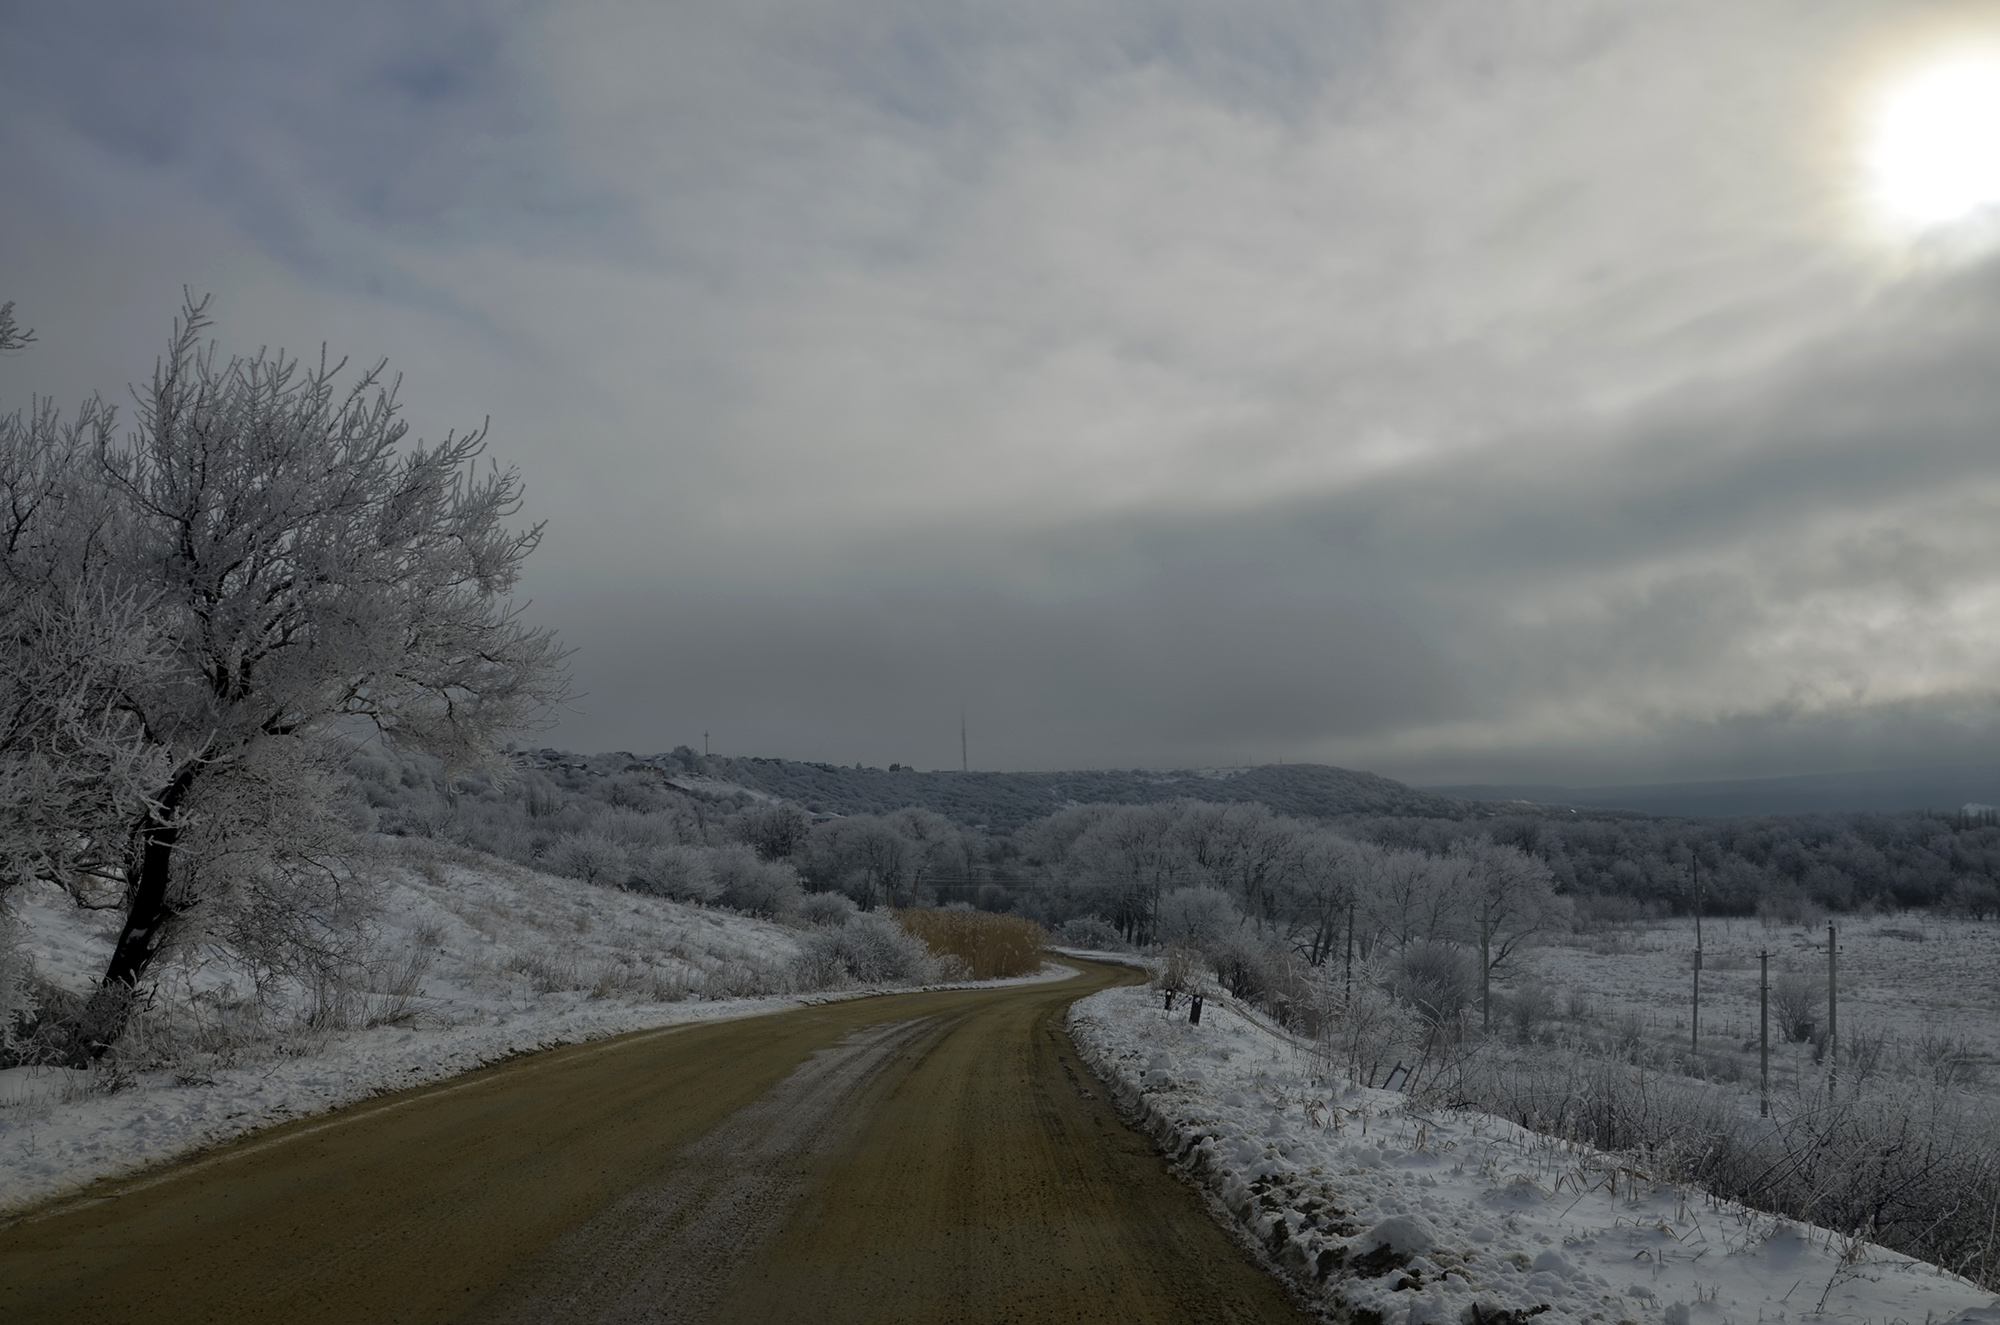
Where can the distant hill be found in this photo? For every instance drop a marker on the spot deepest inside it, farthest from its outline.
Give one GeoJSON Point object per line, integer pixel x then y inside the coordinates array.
{"type": "Point", "coordinates": [1880, 791]}
{"type": "Point", "coordinates": [1005, 802]}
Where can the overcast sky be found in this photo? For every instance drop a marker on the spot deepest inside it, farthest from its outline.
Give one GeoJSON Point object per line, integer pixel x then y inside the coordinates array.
{"type": "Point", "coordinates": [1480, 390]}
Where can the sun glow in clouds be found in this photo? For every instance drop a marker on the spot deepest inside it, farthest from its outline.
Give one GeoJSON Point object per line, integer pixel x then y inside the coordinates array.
{"type": "Point", "coordinates": [1935, 150]}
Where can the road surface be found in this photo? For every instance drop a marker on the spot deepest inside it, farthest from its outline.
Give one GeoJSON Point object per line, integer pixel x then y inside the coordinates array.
{"type": "Point", "coordinates": [916, 1157]}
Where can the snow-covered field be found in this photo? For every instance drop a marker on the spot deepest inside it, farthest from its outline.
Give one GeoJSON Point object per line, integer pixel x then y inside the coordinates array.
{"type": "Point", "coordinates": [470, 960]}
{"type": "Point", "coordinates": [1381, 1213]}
{"type": "Point", "coordinates": [1913, 982]}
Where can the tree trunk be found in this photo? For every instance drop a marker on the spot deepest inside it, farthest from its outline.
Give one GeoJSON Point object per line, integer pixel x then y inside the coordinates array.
{"type": "Point", "coordinates": [148, 916]}
{"type": "Point", "coordinates": [1486, 968]}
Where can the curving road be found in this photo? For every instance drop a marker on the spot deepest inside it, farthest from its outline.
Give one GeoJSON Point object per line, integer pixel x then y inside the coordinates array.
{"type": "Point", "coordinates": [917, 1157]}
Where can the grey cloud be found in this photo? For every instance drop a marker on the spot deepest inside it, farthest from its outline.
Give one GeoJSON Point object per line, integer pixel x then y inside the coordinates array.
{"type": "Point", "coordinates": [1458, 386]}
{"type": "Point", "coordinates": [1177, 669]}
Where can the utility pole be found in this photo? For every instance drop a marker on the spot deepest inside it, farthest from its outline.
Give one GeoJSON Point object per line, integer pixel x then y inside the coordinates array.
{"type": "Point", "coordinates": [964, 760]}
{"type": "Point", "coordinates": [1764, 1034]}
{"type": "Point", "coordinates": [1694, 868]}
{"type": "Point", "coordinates": [1832, 1011]}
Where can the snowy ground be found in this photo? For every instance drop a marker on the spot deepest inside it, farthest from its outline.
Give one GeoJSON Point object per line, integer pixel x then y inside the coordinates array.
{"type": "Point", "coordinates": [471, 961]}
{"type": "Point", "coordinates": [1384, 1215]}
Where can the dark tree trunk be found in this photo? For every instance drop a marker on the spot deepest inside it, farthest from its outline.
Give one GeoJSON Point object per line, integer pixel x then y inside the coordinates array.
{"type": "Point", "coordinates": [149, 914]}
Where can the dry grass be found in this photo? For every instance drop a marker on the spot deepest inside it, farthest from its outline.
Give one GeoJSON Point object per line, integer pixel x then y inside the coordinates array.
{"type": "Point", "coordinates": [989, 946]}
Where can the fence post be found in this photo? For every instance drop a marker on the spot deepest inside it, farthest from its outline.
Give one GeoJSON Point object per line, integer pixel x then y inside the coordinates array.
{"type": "Point", "coordinates": [1194, 1011]}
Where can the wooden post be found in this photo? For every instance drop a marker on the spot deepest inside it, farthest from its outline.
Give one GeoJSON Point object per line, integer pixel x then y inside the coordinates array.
{"type": "Point", "coordinates": [1832, 1010]}
{"type": "Point", "coordinates": [1764, 1034]}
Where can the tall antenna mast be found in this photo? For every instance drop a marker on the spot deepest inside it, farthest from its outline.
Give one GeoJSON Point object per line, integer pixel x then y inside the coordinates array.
{"type": "Point", "coordinates": [964, 761]}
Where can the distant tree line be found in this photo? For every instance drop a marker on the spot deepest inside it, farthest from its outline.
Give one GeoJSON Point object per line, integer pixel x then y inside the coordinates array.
{"type": "Point", "coordinates": [1782, 866]}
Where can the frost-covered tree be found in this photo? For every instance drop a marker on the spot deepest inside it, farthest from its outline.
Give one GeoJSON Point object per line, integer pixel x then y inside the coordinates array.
{"type": "Point", "coordinates": [1316, 899]}
{"type": "Point", "coordinates": [862, 855]}
{"type": "Point", "coordinates": [935, 849]}
{"type": "Point", "coordinates": [73, 761]}
{"type": "Point", "coordinates": [73, 764]}
{"type": "Point", "coordinates": [1198, 916]}
{"type": "Point", "coordinates": [300, 566]}
{"type": "Point", "coordinates": [1510, 898]}
{"type": "Point", "coordinates": [1409, 897]}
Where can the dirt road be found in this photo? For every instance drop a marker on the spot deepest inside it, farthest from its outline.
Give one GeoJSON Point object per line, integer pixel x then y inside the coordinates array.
{"type": "Point", "coordinates": [920, 1157]}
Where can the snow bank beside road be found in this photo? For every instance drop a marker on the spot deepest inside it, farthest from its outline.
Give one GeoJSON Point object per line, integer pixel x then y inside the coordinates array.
{"type": "Point", "coordinates": [1381, 1213]}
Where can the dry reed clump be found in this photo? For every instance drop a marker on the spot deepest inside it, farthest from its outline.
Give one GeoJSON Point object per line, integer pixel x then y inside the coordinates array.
{"type": "Point", "coordinates": [988, 945]}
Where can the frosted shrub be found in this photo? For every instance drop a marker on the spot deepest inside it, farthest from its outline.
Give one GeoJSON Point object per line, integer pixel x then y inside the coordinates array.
{"type": "Point", "coordinates": [677, 872]}
{"type": "Point", "coordinates": [755, 887]}
{"type": "Point", "coordinates": [636, 830]}
{"type": "Point", "coordinates": [592, 857]}
{"type": "Point", "coordinates": [1531, 1005]}
{"type": "Point", "coordinates": [869, 949]}
{"type": "Point", "coordinates": [1949, 1060]}
{"type": "Point", "coordinates": [1437, 980]}
{"type": "Point", "coordinates": [827, 909]}
{"type": "Point", "coordinates": [1181, 970]}
{"type": "Point", "coordinates": [1369, 1034]}
{"type": "Point", "coordinates": [1796, 1001]}
{"type": "Point", "coordinates": [1261, 973]}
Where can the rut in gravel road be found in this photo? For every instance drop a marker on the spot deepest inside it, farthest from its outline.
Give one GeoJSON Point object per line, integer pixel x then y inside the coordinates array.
{"type": "Point", "coordinates": [916, 1157]}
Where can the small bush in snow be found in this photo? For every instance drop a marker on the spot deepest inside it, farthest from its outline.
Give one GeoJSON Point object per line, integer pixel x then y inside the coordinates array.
{"type": "Point", "coordinates": [1796, 1001]}
{"type": "Point", "coordinates": [756, 887]}
{"type": "Point", "coordinates": [869, 949]}
{"type": "Point", "coordinates": [1531, 1005]}
{"type": "Point", "coordinates": [1181, 971]}
{"type": "Point", "coordinates": [827, 909]}
{"type": "Point", "coordinates": [1369, 1033]}
{"type": "Point", "coordinates": [672, 871]}
{"type": "Point", "coordinates": [591, 856]}
{"type": "Point", "coordinates": [1437, 980]}
{"type": "Point", "coordinates": [1265, 974]}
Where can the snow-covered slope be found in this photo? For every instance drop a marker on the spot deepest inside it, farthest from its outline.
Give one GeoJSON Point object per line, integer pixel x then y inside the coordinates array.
{"type": "Point", "coordinates": [1381, 1213]}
